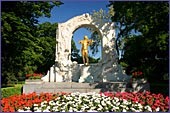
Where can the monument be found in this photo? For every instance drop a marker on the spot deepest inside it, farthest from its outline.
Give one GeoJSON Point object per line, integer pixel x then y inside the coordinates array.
{"type": "Point", "coordinates": [65, 70]}
{"type": "Point", "coordinates": [66, 75]}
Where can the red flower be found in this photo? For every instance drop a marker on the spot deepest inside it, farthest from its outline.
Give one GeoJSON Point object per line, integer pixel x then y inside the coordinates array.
{"type": "Point", "coordinates": [13, 103]}
{"type": "Point", "coordinates": [137, 73]}
{"type": "Point", "coordinates": [142, 102]}
{"type": "Point", "coordinates": [153, 107]}
{"type": "Point", "coordinates": [11, 109]}
{"type": "Point", "coordinates": [33, 75]}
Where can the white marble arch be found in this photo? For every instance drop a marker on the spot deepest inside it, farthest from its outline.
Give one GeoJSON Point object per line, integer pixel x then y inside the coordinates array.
{"type": "Point", "coordinates": [66, 70]}
{"type": "Point", "coordinates": [65, 32]}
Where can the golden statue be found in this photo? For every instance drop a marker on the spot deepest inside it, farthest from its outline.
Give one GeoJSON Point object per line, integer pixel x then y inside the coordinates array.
{"type": "Point", "coordinates": [84, 50]}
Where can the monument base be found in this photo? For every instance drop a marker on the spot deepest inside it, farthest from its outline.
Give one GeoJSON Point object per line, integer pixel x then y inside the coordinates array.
{"type": "Point", "coordinates": [97, 72]}
{"type": "Point", "coordinates": [69, 87]}
{"type": "Point", "coordinates": [85, 75]}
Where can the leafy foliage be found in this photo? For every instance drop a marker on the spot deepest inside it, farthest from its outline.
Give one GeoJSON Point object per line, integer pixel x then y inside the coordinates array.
{"type": "Point", "coordinates": [46, 35]}
{"type": "Point", "coordinates": [9, 91]}
{"type": "Point", "coordinates": [143, 36]}
{"type": "Point", "coordinates": [74, 52]}
{"type": "Point", "coordinates": [96, 43]}
{"type": "Point", "coordinates": [22, 50]}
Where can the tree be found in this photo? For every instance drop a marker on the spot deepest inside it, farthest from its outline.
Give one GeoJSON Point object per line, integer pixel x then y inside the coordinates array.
{"type": "Point", "coordinates": [46, 35]}
{"type": "Point", "coordinates": [96, 43]}
{"type": "Point", "coordinates": [75, 52]}
{"type": "Point", "coordinates": [143, 36]}
{"type": "Point", "coordinates": [20, 46]}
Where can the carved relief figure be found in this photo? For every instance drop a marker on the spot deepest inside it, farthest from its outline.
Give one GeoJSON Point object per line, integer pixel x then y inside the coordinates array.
{"type": "Point", "coordinates": [84, 50]}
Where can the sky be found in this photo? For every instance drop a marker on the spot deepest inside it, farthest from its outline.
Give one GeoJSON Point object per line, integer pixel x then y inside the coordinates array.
{"type": "Point", "coordinates": [72, 8]}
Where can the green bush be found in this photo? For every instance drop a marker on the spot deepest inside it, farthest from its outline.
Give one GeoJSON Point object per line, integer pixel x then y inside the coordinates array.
{"type": "Point", "coordinates": [9, 91]}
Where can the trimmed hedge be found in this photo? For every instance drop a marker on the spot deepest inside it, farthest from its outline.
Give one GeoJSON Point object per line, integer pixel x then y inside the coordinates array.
{"type": "Point", "coordinates": [9, 91]}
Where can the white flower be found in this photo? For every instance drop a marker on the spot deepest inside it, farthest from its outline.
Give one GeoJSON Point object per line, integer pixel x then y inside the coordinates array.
{"type": "Point", "coordinates": [70, 110]}
{"type": "Point", "coordinates": [115, 108]}
{"type": "Point", "coordinates": [92, 111]}
{"type": "Point", "coordinates": [108, 102]}
{"type": "Point", "coordinates": [157, 109]}
{"type": "Point", "coordinates": [64, 96]}
{"type": "Point", "coordinates": [27, 111]}
{"type": "Point", "coordinates": [127, 108]}
{"type": "Point", "coordinates": [35, 105]}
{"type": "Point", "coordinates": [46, 110]}
{"type": "Point", "coordinates": [137, 111]}
{"type": "Point", "coordinates": [52, 103]}
{"type": "Point", "coordinates": [124, 110]}
{"type": "Point", "coordinates": [43, 104]}
{"type": "Point", "coordinates": [99, 108]}
{"type": "Point", "coordinates": [69, 98]}
{"type": "Point", "coordinates": [123, 106]}
{"type": "Point", "coordinates": [133, 109]}
{"type": "Point", "coordinates": [97, 100]}
{"type": "Point", "coordinates": [27, 108]}
{"type": "Point", "coordinates": [125, 102]}
{"type": "Point", "coordinates": [118, 103]}
{"type": "Point", "coordinates": [148, 108]}
{"type": "Point", "coordinates": [116, 99]}
{"type": "Point", "coordinates": [58, 103]}
{"type": "Point", "coordinates": [55, 108]}
{"type": "Point", "coordinates": [103, 103]}
{"type": "Point", "coordinates": [20, 110]}
{"type": "Point", "coordinates": [58, 98]}
{"type": "Point", "coordinates": [93, 108]}
{"type": "Point", "coordinates": [140, 106]}
{"type": "Point", "coordinates": [37, 109]}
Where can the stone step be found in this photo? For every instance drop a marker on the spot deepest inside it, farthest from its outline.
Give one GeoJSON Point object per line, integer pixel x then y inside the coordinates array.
{"type": "Point", "coordinates": [53, 87]}
{"type": "Point", "coordinates": [84, 85]}
{"type": "Point", "coordinates": [40, 90]}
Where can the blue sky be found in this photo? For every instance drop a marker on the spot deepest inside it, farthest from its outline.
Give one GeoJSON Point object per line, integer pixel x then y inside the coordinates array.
{"type": "Point", "coordinates": [72, 8]}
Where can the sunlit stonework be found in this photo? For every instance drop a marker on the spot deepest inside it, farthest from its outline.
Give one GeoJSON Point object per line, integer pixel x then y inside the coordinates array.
{"type": "Point", "coordinates": [64, 70]}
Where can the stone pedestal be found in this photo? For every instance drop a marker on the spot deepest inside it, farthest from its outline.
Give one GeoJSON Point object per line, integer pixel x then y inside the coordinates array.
{"type": "Point", "coordinates": [39, 86]}
{"type": "Point", "coordinates": [53, 76]}
{"type": "Point", "coordinates": [86, 75]}
{"type": "Point", "coordinates": [69, 87]}
{"type": "Point", "coordinates": [140, 84]}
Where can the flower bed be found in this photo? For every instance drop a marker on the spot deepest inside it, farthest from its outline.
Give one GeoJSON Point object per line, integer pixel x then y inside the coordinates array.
{"type": "Point", "coordinates": [34, 76]}
{"type": "Point", "coordinates": [86, 102]}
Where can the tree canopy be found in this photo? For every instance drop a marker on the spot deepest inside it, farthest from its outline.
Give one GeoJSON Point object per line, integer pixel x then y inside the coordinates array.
{"type": "Point", "coordinates": [29, 47]}
{"type": "Point", "coordinates": [143, 36]}
{"type": "Point", "coordinates": [24, 42]}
